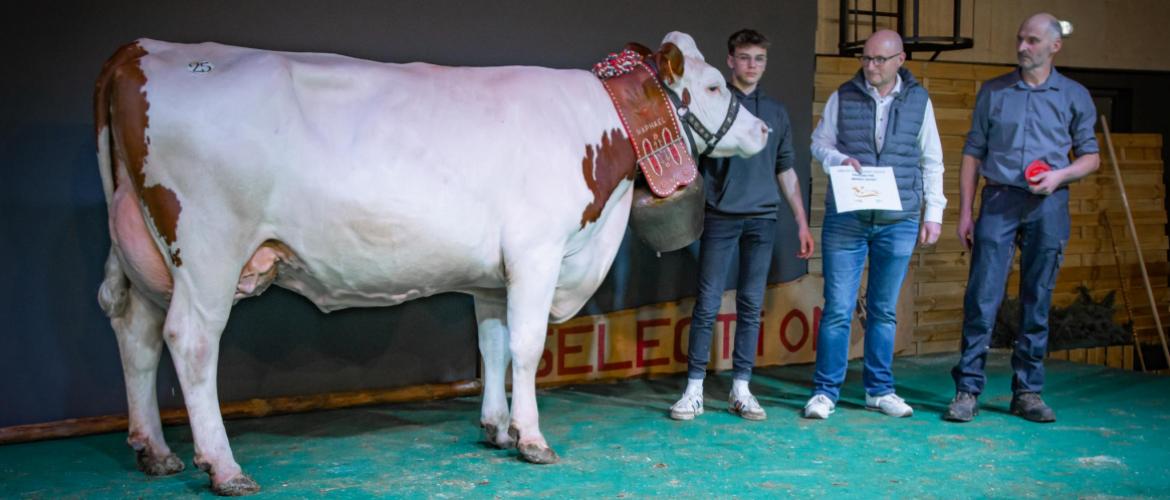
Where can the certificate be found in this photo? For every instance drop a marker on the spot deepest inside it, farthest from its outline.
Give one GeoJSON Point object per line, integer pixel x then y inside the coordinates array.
{"type": "Point", "coordinates": [873, 189]}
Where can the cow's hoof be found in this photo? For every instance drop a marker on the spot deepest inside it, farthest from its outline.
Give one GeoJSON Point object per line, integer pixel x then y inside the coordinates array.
{"type": "Point", "coordinates": [165, 466]}
{"type": "Point", "coordinates": [496, 438]}
{"type": "Point", "coordinates": [537, 453]}
{"type": "Point", "coordinates": [238, 486]}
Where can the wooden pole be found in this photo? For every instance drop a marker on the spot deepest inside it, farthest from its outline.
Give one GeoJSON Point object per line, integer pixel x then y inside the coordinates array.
{"type": "Point", "coordinates": [1133, 233]}
{"type": "Point", "coordinates": [1103, 219]}
{"type": "Point", "coordinates": [244, 409]}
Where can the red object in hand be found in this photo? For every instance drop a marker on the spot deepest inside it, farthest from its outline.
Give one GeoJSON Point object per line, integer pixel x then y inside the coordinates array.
{"type": "Point", "coordinates": [1034, 168]}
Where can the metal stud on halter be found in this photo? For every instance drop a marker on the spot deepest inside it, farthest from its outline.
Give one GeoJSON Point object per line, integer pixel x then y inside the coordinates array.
{"type": "Point", "coordinates": [710, 139]}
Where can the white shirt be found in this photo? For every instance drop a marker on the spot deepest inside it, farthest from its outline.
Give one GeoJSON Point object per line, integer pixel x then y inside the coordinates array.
{"type": "Point", "coordinates": [824, 145]}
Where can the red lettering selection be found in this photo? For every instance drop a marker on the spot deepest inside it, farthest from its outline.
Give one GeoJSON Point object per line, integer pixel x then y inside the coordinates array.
{"type": "Point", "coordinates": [563, 349]}
{"type": "Point", "coordinates": [601, 364]}
{"type": "Point", "coordinates": [642, 343]}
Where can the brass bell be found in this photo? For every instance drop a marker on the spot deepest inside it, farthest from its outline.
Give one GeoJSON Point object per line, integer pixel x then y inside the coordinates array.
{"type": "Point", "coordinates": [669, 223]}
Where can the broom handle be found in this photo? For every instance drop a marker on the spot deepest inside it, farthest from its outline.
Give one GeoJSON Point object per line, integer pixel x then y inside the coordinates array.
{"type": "Point", "coordinates": [1104, 221]}
{"type": "Point", "coordinates": [1136, 245]}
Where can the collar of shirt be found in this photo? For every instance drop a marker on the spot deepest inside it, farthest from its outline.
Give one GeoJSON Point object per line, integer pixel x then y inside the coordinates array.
{"type": "Point", "coordinates": [756, 93]}
{"type": "Point", "coordinates": [1055, 81]}
{"type": "Point", "coordinates": [873, 91]}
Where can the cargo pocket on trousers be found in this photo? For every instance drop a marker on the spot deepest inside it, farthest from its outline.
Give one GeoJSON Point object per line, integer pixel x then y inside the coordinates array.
{"type": "Point", "coordinates": [1048, 279]}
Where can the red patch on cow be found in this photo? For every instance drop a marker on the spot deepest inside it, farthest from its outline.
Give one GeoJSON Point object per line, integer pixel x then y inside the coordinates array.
{"type": "Point", "coordinates": [128, 53]}
{"type": "Point", "coordinates": [120, 101]}
{"type": "Point", "coordinates": [604, 167]}
{"type": "Point", "coordinates": [670, 62]}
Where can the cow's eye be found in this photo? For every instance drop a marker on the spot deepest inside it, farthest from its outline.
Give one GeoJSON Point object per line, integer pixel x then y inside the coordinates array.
{"type": "Point", "coordinates": [714, 89]}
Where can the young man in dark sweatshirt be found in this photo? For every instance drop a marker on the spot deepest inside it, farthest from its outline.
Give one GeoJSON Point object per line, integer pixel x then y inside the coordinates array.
{"type": "Point", "coordinates": [743, 196]}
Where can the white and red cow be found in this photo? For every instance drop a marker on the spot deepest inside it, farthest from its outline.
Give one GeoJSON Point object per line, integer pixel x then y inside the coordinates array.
{"type": "Point", "coordinates": [357, 183]}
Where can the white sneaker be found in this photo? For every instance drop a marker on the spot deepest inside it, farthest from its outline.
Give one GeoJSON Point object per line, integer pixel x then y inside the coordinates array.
{"type": "Point", "coordinates": [746, 406]}
{"type": "Point", "coordinates": [688, 407]}
{"type": "Point", "coordinates": [890, 404]}
{"type": "Point", "coordinates": [819, 406]}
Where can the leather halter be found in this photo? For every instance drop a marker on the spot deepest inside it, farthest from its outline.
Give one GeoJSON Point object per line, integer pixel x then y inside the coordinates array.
{"type": "Point", "coordinates": [693, 122]}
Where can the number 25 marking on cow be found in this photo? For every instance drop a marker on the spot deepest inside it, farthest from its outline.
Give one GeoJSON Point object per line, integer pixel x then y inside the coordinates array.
{"type": "Point", "coordinates": [200, 66]}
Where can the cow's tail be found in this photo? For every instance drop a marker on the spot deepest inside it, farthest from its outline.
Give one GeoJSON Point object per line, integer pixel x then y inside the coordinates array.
{"type": "Point", "coordinates": [115, 285]}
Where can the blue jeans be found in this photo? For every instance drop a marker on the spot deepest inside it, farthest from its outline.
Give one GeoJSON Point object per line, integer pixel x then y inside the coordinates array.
{"type": "Point", "coordinates": [1010, 216]}
{"type": "Point", "coordinates": [722, 238]}
{"type": "Point", "coordinates": [846, 240]}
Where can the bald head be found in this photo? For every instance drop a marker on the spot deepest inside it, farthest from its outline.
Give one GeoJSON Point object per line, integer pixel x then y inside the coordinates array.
{"type": "Point", "coordinates": [1037, 43]}
{"type": "Point", "coordinates": [884, 42]}
{"type": "Point", "coordinates": [1044, 21]}
{"type": "Point", "coordinates": [881, 58]}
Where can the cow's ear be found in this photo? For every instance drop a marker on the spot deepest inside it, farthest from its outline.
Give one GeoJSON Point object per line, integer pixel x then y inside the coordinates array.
{"type": "Point", "coordinates": [670, 63]}
{"type": "Point", "coordinates": [642, 50]}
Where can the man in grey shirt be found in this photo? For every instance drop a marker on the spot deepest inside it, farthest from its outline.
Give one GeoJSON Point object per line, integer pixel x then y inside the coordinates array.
{"type": "Point", "coordinates": [1024, 124]}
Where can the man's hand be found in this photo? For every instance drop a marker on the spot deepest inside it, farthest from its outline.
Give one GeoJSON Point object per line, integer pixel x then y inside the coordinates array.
{"type": "Point", "coordinates": [928, 234]}
{"type": "Point", "coordinates": [806, 243]}
{"type": "Point", "coordinates": [854, 163]}
{"type": "Point", "coordinates": [1046, 183]}
{"type": "Point", "coordinates": [966, 231]}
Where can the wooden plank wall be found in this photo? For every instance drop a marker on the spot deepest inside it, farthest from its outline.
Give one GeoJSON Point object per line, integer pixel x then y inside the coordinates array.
{"type": "Point", "coordinates": [941, 272]}
{"type": "Point", "coordinates": [1133, 29]}
{"type": "Point", "coordinates": [1112, 356]}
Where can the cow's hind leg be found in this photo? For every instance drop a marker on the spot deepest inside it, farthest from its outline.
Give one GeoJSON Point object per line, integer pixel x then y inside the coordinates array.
{"type": "Point", "coordinates": [192, 332]}
{"type": "Point", "coordinates": [137, 324]}
{"type": "Point", "coordinates": [491, 313]}
{"type": "Point", "coordinates": [532, 281]}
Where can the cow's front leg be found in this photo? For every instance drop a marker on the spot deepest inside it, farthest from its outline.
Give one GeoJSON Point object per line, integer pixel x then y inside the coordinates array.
{"type": "Point", "coordinates": [491, 313]}
{"type": "Point", "coordinates": [138, 327]}
{"type": "Point", "coordinates": [530, 293]}
{"type": "Point", "coordinates": [192, 334]}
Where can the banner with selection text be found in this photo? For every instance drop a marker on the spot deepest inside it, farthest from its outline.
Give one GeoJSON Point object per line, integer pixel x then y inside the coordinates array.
{"type": "Point", "coordinates": [653, 339]}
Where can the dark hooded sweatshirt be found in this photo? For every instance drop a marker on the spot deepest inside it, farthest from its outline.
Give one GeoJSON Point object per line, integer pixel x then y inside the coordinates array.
{"type": "Point", "coordinates": [748, 187]}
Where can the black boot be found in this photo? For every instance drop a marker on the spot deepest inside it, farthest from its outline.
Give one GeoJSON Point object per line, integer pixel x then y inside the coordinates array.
{"type": "Point", "coordinates": [963, 408]}
{"type": "Point", "coordinates": [1030, 406]}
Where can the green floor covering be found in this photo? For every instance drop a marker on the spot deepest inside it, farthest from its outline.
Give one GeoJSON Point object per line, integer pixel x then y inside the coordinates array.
{"type": "Point", "coordinates": [615, 440]}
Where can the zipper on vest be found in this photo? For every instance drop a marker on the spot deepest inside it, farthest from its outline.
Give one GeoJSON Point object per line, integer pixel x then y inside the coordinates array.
{"type": "Point", "coordinates": [873, 137]}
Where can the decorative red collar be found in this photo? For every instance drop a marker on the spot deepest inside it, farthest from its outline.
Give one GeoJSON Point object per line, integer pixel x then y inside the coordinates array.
{"type": "Point", "coordinates": [649, 121]}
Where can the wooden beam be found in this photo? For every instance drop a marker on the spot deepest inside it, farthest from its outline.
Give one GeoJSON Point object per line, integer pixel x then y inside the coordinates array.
{"type": "Point", "coordinates": [245, 409]}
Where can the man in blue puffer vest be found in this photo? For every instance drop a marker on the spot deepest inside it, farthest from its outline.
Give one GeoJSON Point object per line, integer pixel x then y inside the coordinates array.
{"type": "Point", "coordinates": [880, 117]}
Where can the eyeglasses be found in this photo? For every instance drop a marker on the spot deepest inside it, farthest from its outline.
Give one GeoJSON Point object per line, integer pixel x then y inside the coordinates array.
{"type": "Point", "coordinates": [880, 60]}
{"type": "Point", "coordinates": [745, 58]}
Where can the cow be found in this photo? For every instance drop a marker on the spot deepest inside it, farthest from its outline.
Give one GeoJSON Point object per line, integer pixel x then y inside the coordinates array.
{"type": "Point", "coordinates": [356, 184]}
